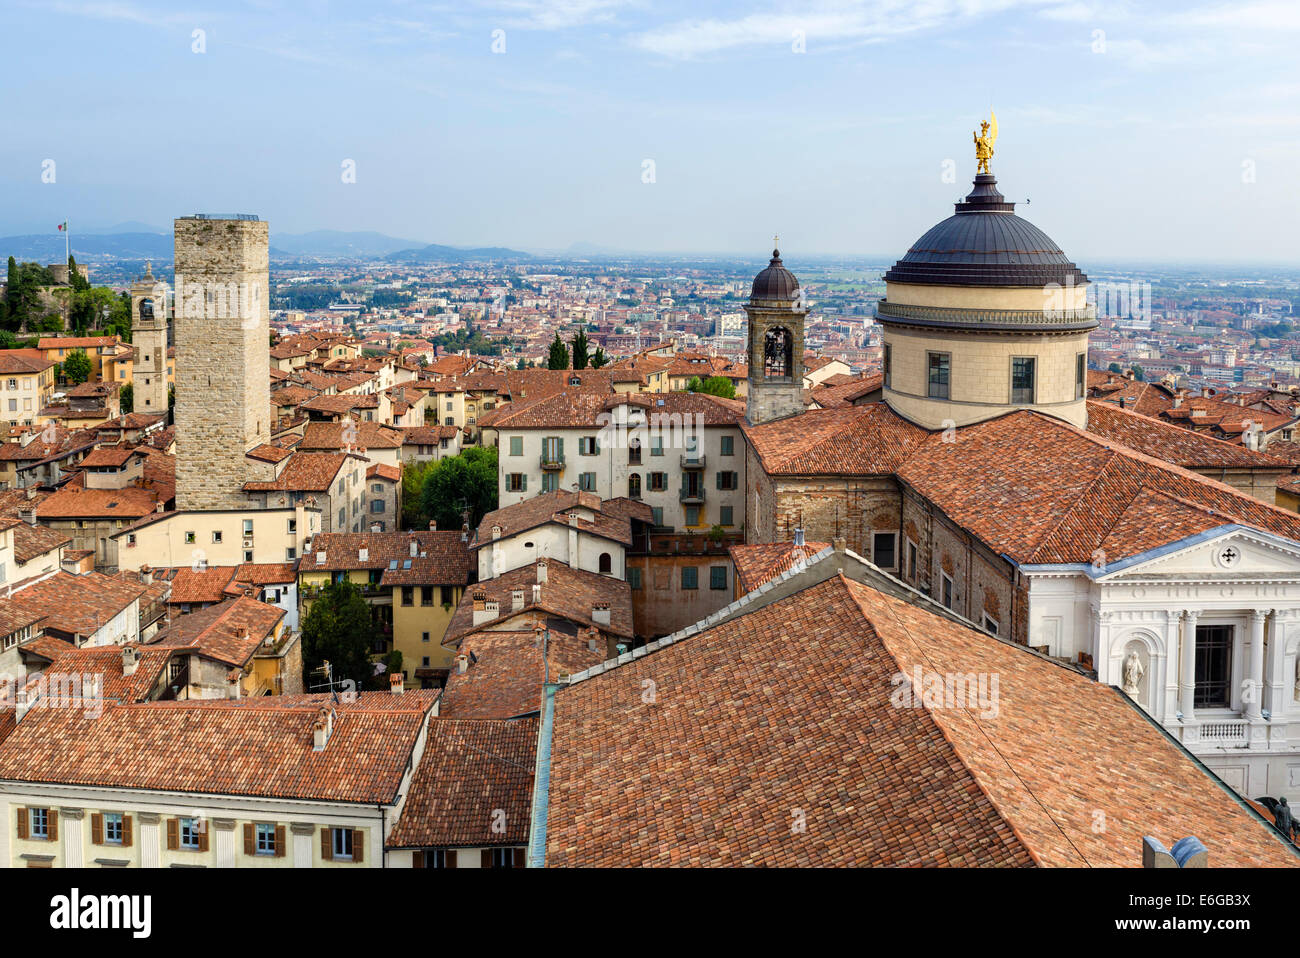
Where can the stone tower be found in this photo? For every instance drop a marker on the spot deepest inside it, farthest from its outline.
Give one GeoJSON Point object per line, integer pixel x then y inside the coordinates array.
{"type": "Point", "coordinates": [149, 337]}
{"type": "Point", "coordinates": [221, 326]}
{"type": "Point", "coordinates": [985, 315]}
{"type": "Point", "coordinates": [776, 317]}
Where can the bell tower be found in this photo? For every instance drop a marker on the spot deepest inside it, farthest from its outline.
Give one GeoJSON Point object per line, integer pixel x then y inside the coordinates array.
{"type": "Point", "coordinates": [149, 337]}
{"type": "Point", "coordinates": [776, 317]}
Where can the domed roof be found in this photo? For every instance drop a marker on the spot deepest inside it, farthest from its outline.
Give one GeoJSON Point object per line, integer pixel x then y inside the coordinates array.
{"type": "Point", "coordinates": [985, 244]}
{"type": "Point", "coordinates": [775, 282]}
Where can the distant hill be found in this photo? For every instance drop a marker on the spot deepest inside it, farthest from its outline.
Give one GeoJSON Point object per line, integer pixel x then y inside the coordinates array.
{"type": "Point", "coordinates": [339, 243]}
{"type": "Point", "coordinates": [451, 254]}
{"type": "Point", "coordinates": [48, 248]}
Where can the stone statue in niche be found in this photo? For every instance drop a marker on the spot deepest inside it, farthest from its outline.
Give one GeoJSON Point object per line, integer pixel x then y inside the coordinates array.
{"type": "Point", "coordinates": [1133, 672]}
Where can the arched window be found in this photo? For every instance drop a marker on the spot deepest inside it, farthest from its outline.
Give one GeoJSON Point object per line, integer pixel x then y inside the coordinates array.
{"type": "Point", "coordinates": [778, 353]}
{"type": "Point", "coordinates": [634, 486]}
{"type": "Point", "coordinates": [146, 309]}
{"type": "Point", "coordinates": [606, 564]}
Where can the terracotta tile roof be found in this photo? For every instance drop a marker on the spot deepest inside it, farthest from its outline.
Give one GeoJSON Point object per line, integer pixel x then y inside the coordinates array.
{"type": "Point", "coordinates": [31, 541]}
{"type": "Point", "coordinates": [713, 771]}
{"type": "Point", "coordinates": [442, 558]}
{"type": "Point", "coordinates": [364, 435]}
{"type": "Point", "coordinates": [256, 747]}
{"type": "Point", "coordinates": [583, 409]}
{"type": "Point", "coordinates": [567, 593]}
{"type": "Point", "coordinates": [127, 503]}
{"type": "Point", "coordinates": [469, 770]}
{"type": "Point", "coordinates": [228, 632]}
{"type": "Point", "coordinates": [105, 663]}
{"type": "Point", "coordinates": [610, 521]}
{"type": "Point", "coordinates": [340, 404]}
{"type": "Point", "coordinates": [304, 472]}
{"type": "Point", "coordinates": [267, 452]}
{"type": "Point", "coordinates": [852, 440]}
{"type": "Point", "coordinates": [131, 420]}
{"type": "Point", "coordinates": [507, 672]}
{"type": "Point", "coordinates": [109, 456]}
{"type": "Point", "coordinates": [844, 391]}
{"type": "Point", "coordinates": [757, 564]}
{"type": "Point", "coordinates": [426, 435]}
{"type": "Point", "coordinates": [73, 342]}
{"type": "Point", "coordinates": [266, 573]}
{"type": "Point", "coordinates": [383, 470]}
{"type": "Point", "coordinates": [190, 584]}
{"type": "Point", "coordinates": [19, 361]}
{"type": "Point", "coordinates": [1182, 447]}
{"type": "Point", "coordinates": [79, 604]}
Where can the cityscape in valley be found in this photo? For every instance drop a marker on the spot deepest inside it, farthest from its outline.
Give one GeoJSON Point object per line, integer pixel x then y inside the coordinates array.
{"type": "Point", "coordinates": [340, 550]}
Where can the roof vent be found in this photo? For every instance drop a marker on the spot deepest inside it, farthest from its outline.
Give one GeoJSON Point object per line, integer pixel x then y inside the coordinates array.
{"type": "Point", "coordinates": [320, 557]}
{"type": "Point", "coordinates": [363, 554]}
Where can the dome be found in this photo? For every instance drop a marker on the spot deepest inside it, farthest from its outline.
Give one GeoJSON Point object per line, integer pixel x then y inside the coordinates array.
{"type": "Point", "coordinates": [775, 282]}
{"type": "Point", "coordinates": [984, 244]}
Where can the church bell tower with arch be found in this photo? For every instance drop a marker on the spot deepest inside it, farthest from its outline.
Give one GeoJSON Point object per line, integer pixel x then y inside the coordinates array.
{"type": "Point", "coordinates": [776, 317]}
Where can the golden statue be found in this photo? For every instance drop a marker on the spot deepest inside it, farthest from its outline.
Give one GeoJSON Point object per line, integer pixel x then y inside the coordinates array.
{"type": "Point", "coordinates": [984, 142]}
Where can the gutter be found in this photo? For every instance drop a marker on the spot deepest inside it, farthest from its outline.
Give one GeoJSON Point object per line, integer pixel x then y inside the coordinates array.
{"type": "Point", "coordinates": [542, 781]}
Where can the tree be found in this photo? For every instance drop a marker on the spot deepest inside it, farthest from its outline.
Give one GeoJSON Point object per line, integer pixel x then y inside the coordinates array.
{"type": "Point", "coordinates": [1138, 374]}
{"type": "Point", "coordinates": [340, 630]}
{"type": "Point", "coordinates": [559, 357]}
{"type": "Point", "coordinates": [713, 386]}
{"type": "Point", "coordinates": [76, 366]}
{"type": "Point", "coordinates": [580, 350]}
{"type": "Point", "coordinates": [414, 475]}
{"type": "Point", "coordinates": [1115, 368]}
{"type": "Point", "coordinates": [75, 279]}
{"type": "Point", "coordinates": [459, 483]}
{"type": "Point", "coordinates": [7, 339]}
{"type": "Point", "coordinates": [599, 359]}
{"type": "Point", "coordinates": [127, 395]}
{"type": "Point", "coordinates": [171, 398]}
{"type": "Point", "coordinates": [521, 364]}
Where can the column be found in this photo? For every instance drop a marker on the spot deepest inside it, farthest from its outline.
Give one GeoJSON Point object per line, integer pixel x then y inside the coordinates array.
{"type": "Point", "coordinates": [74, 849]}
{"type": "Point", "coordinates": [150, 856]}
{"type": "Point", "coordinates": [1169, 691]}
{"type": "Point", "coordinates": [1254, 689]}
{"type": "Point", "coordinates": [1187, 682]}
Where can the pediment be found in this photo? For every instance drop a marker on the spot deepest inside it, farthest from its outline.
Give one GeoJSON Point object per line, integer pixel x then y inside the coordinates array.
{"type": "Point", "coordinates": [1229, 552]}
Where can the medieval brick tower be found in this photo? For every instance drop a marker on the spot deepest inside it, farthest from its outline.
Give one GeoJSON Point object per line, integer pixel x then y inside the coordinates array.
{"type": "Point", "coordinates": [149, 337]}
{"type": "Point", "coordinates": [776, 317]}
{"type": "Point", "coordinates": [222, 330]}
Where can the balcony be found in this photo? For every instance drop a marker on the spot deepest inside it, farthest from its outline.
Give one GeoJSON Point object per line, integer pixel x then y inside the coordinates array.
{"type": "Point", "coordinates": [1229, 732]}
{"type": "Point", "coordinates": [692, 460]}
{"type": "Point", "coordinates": [552, 462]}
{"type": "Point", "coordinates": [692, 495]}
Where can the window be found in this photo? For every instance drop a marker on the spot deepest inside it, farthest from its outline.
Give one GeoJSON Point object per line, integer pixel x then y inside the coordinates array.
{"type": "Point", "coordinates": [516, 445]}
{"type": "Point", "coordinates": [265, 839]}
{"type": "Point", "coordinates": [341, 843]}
{"type": "Point", "coordinates": [657, 445]}
{"type": "Point", "coordinates": [248, 555]}
{"type": "Point", "coordinates": [885, 365]}
{"type": "Point", "coordinates": [634, 452]}
{"type": "Point", "coordinates": [690, 577]}
{"type": "Point", "coordinates": [1080, 375]}
{"type": "Point", "coordinates": [911, 559]}
{"type": "Point", "coordinates": [882, 549]}
{"type": "Point", "coordinates": [408, 595]}
{"type": "Point", "coordinates": [449, 421]}
{"type": "Point", "coordinates": [343, 518]}
{"type": "Point", "coordinates": [426, 595]}
{"type": "Point", "coordinates": [189, 538]}
{"type": "Point", "coordinates": [945, 589]}
{"type": "Point", "coordinates": [504, 858]}
{"type": "Point", "coordinates": [634, 486]}
{"type": "Point", "coordinates": [634, 578]}
{"type": "Point", "coordinates": [190, 834]}
{"type": "Point", "coordinates": [725, 516]}
{"type": "Point", "coordinates": [516, 482]}
{"type": "Point", "coordinates": [377, 487]}
{"type": "Point", "coordinates": [216, 536]}
{"type": "Point", "coordinates": [553, 449]}
{"type": "Point", "coordinates": [40, 822]}
{"type": "Point", "coordinates": [376, 505]}
{"type": "Point", "coordinates": [717, 577]}
{"type": "Point", "coordinates": [1022, 379]}
{"type": "Point", "coordinates": [657, 516]}
{"type": "Point", "coordinates": [424, 636]}
{"type": "Point", "coordinates": [606, 564]}
{"type": "Point", "coordinates": [113, 828]}
{"type": "Point", "coordinates": [587, 446]}
{"type": "Point", "coordinates": [728, 445]}
{"type": "Point", "coordinates": [692, 515]}
{"type": "Point", "coordinates": [728, 480]}
{"type": "Point", "coordinates": [658, 481]}
{"type": "Point", "coordinates": [990, 624]}
{"type": "Point", "coordinates": [248, 527]}
{"type": "Point", "coordinates": [939, 366]}
{"type": "Point", "coordinates": [587, 481]}
{"type": "Point", "coordinates": [448, 594]}
{"type": "Point", "coordinates": [1213, 667]}
{"type": "Point", "coordinates": [290, 554]}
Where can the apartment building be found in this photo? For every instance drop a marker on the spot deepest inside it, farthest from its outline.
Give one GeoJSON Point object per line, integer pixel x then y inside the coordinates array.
{"type": "Point", "coordinates": [26, 386]}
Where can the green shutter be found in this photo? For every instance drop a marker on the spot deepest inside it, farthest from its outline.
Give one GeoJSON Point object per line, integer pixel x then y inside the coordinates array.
{"type": "Point", "coordinates": [524, 482]}
{"type": "Point", "coordinates": [559, 449]}
{"type": "Point", "coordinates": [719, 478]}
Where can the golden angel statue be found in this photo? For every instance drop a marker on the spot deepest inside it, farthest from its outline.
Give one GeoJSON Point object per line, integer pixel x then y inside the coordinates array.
{"type": "Point", "coordinates": [984, 143]}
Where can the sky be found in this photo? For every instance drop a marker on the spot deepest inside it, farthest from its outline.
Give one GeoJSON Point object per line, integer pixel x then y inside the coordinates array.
{"type": "Point", "coordinates": [1149, 131]}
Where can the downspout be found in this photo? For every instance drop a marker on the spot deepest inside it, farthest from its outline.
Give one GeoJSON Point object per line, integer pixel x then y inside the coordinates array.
{"type": "Point", "coordinates": [542, 781]}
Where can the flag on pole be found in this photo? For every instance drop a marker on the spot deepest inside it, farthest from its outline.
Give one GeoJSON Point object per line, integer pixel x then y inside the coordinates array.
{"type": "Point", "coordinates": [63, 226]}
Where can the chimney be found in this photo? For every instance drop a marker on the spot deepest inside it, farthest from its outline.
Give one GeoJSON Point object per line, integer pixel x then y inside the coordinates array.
{"type": "Point", "coordinates": [484, 611]}
{"type": "Point", "coordinates": [798, 535]}
{"type": "Point", "coordinates": [1122, 402]}
{"type": "Point", "coordinates": [462, 662]}
{"type": "Point", "coordinates": [23, 702]}
{"type": "Point", "coordinates": [232, 683]}
{"type": "Point", "coordinates": [1178, 400]}
{"type": "Point", "coordinates": [320, 732]}
{"type": "Point", "coordinates": [433, 526]}
{"type": "Point", "coordinates": [541, 572]}
{"type": "Point", "coordinates": [396, 684]}
{"type": "Point", "coordinates": [496, 532]}
{"type": "Point", "coordinates": [537, 593]}
{"type": "Point", "coordinates": [573, 519]}
{"type": "Point", "coordinates": [146, 576]}
{"type": "Point", "coordinates": [600, 613]}
{"type": "Point", "coordinates": [28, 515]}
{"type": "Point", "coordinates": [90, 686]}
{"type": "Point", "coordinates": [130, 659]}
{"type": "Point", "coordinates": [516, 600]}
{"type": "Point", "coordinates": [415, 548]}
{"type": "Point", "coordinates": [840, 543]}
{"type": "Point", "coordinates": [363, 554]}
{"type": "Point", "coordinates": [464, 532]}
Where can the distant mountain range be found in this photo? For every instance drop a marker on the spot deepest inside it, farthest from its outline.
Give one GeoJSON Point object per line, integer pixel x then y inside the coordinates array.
{"type": "Point", "coordinates": [141, 243]}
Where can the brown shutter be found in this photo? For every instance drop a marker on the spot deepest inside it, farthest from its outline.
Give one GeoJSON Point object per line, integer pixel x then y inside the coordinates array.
{"type": "Point", "coordinates": [279, 841]}
{"type": "Point", "coordinates": [450, 858]}
{"type": "Point", "coordinates": [417, 859]}
{"type": "Point", "coordinates": [358, 845]}
{"type": "Point", "coordinates": [249, 847]}
{"type": "Point", "coordinates": [97, 829]}
{"type": "Point", "coordinates": [485, 858]}
{"type": "Point", "coordinates": [326, 848]}
{"type": "Point", "coordinates": [519, 858]}
{"type": "Point", "coordinates": [22, 823]}
{"type": "Point", "coordinates": [54, 825]}
{"type": "Point", "coordinates": [203, 835]}
{"type": "Point", "coordinates": [126, 831]}
{"type": "Point", "coordinates": [173, 834]}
